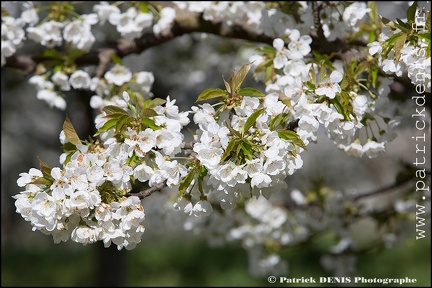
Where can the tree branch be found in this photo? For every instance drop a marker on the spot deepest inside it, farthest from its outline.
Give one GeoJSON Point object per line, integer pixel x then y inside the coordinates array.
{"type": "Point", "coordinates": [186, 23]}
{"type": "Point", "coordinates": [145, 193]}
{"type": "Point", "coordinates": [320, 43]}
{"type": "Point", "coordinates": [25, 63]}
{"type": "Point", "coordinates": [387, 188]}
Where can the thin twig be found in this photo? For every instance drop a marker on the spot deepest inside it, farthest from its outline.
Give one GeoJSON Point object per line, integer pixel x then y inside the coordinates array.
{"type": "Point", "coordinates": [387, 188]}
{"type": "Point", "coordinates": [145, 193]}
{"type": "Point", "coordinates": [105, 57]}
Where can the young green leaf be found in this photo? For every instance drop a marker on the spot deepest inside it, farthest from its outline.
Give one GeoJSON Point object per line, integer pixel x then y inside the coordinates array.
{"type": "Point", "coordinates": [240, 76]}
{"type": "Point", "coordinates": [277, 120]}
{"type": "Point", "coordinates": [410, 14]}
{"type": "Point", "coordinates": [374, 74]}
{"type": "Point", "coordinates": [247, 91]}
{"type": "Point", "coordinates": [211, 93]}
{"type": "Point", "coordinates": [361, 68]}
{"type": "Point", "coordinates": [42, 181]}
{"type": "Point", "coordinates": [293, 137]}
{"type": "Point", "coordinates": [122, 121]}
{"type": "Point", "coordinates": [70, 132]}
{"type": "Point", "coordinates": [155, 102]}
{"type": "Point", "coordinates": [147, 112]}
{"type": "Point", "coordinates": [110, 109]}
{"type": "Point", "coordinates": [185, 182]}
{"type": "Point", "coordinates": [228, 149]}
{"type": "Point", "coordinates": [267, 50]}
{"type": "Point", "coordinates": [227, 85]}
{"type": "Point", "coordinates": [150, 124]}
{"type": "Point", "coordinates": [247, 150]}
{"type": "Point", "coordinates": [252, 119]}
{"type": "Point", "coordinates": [115, 115]}
{"type": "Point", "coordinates": [46, 171]}
{"type": "Point", "coordinates": [398, 45]}
{"type": "Point", "coordinates": [108, 125]}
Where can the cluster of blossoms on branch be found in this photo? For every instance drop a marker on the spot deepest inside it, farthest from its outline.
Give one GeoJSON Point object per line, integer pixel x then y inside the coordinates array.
{"type": "Point", "coordinates": [85, 199]}
{"type": "Point", "coordinates": [246, 143]}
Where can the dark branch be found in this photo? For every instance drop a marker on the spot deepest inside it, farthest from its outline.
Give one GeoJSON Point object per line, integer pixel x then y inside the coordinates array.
{"type": "Point", "coordinates": [388, 188]}
{"type": "Point", "coordinates": [320, 43]}
{"type": "Point", "coordinates": [25, 63]}
{"type": "Point", "coordinates": [145, 193]}
{"type": "Point", "coordinates": [186, 23]}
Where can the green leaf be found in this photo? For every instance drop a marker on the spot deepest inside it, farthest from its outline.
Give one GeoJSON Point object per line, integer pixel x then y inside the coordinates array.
{"type": "Point", "coordinates": [116, 59]}
{"type": "Point", "coordinates": [151, 103]}
{"type": "Point", "coordinates": [403, 25]}
{"type": "Point", "coordinates": [185, 182]}
{"type": "Point", "coordinates": [361, 68]}
{"type": "Point", "coordinates": [132, 108]}
{"type": "Point", "coordinates": [291, 136]}
{"type": "Point", "coordinates": [371, 36]}
{"type": "Point", "coordinates": [373, 10]}
{"type": "Point", "coordinates": [392, 40]}
{"type": "Point", "coordinates": [211, 93]}
{"type": "Point", "coordinates": [46, 171]}
{"type": "Point", "coordinates": [247, 150]}
{"type": "Point", "coordinates": [110, 109]}
{"type": "Point", "coordinates": [269, 71]}
{"type": "Point", "coordinates": [399, 44]}
{"type": "Point", "coordinates": [147, 112]}
{"type": "Point", "coordinates": [70, 132]}
{"type": "Point", "coordinates": [410, 14]}
{"type": "Point", "coordinates": [252, 119]}
{"type": "Point", "coordinates": [108, 125]}
{"type": "Point", "coordinates": [68, 147]}
{"type": "Point", "coordinates": [425, 36]}
{"type": "Point", "coordinates": [231, 83]}
{"type": "Point", "coordinates": [202, 172]}
{"type": "Point", "coordinates": [247, 91]}
{"type": "Point", "coordinates": [385, 20]}
{"type": "Point", "coordinates": [150, 124]}
{"type": "Point", "coordinates": [318, 56]}
{"type": "Point", "coordinates": [277, 120]}
{"type": "Point", "coordinates": [42, 181]}
{"type": "Point", "coordinates": [227, 85]}
{"type": "Point", "coordinates": [237, 158]}
{"type": "Point", "coordinates": [144, 7]}
{"type": "Point", "coordinates": [240, 76]}
{"type": "Point", "coordinates": [263, 66]}
{"type": "Point", "coordinates": [115, 115]}
{"type": "Point", "coordinates": [75, 53]}
{"type": "Point", "coordinates": [52, 53]}
{"type": "Point", "coordinates": [267, 50]}
{"type": "Point", "coordinates": [228, 149]}
{"type": "Point", "coordinates": [340, 108]}
{"type": "Point", "coordinates": [122, 121]}
{"type": "Point", "coordinates": [374, 74]}
{"type": "Point", "coordinates": [322, 72]}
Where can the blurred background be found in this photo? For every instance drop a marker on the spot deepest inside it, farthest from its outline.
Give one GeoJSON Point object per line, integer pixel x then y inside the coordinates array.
{"type": "Point", "coordinates": [168, 255]}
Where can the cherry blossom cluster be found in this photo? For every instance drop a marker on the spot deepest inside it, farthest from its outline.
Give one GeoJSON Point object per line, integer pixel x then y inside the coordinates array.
{"type": "Point", "coordinates": [85, 200]}
{"type": "Point", "coordinates": [64, 26]}
{"type": "Point", "coordinates": [260, 227]}
{"type": "Point", "coordinates": [69, 206]}
{"type": "Point", "coordinates": [411, 56]}
{"type": "Point", "coordinates": [316, 100]}
{"type": "Point", "coordinates": [12, 30]}
{"type": "Point", "coordinates": [241, 161]}
{"type": "Point", "coordinates": [257, 17]}
{"type": "Point", "coordinates": [265, 227]}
